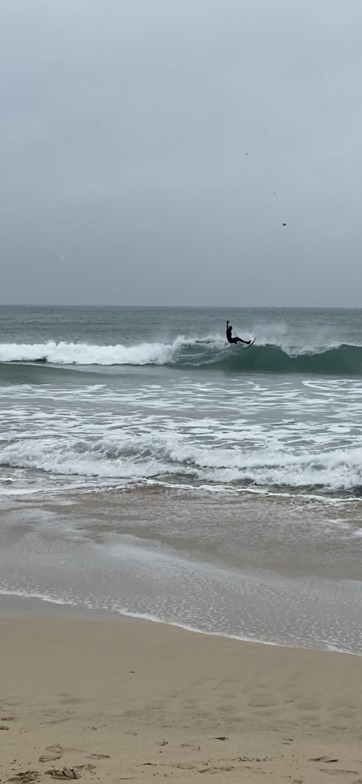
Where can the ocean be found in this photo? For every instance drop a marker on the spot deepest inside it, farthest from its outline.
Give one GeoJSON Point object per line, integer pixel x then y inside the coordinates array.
{"type": "Point", "coordinates": [151, 469]}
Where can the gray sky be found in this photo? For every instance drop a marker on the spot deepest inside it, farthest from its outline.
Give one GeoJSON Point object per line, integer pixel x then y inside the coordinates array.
{"type": "Point", "coordinates": [142, 143]}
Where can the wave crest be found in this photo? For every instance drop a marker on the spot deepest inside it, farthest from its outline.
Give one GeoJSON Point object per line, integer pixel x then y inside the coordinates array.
{"type": "Point", "coordinates": [211, 352]}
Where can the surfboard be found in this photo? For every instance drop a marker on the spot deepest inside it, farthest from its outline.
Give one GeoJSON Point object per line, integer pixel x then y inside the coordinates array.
{"type": "Point", "coordinates": [250, 344]}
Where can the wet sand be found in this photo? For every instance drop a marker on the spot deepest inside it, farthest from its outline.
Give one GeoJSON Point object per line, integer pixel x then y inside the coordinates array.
{"type": "Point", "coordinates": [260, 569]}
{"type": "Point", "coordinates": [122, 700]}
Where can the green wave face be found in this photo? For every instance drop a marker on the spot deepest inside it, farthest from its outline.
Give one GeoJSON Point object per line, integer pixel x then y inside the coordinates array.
{"type": "Point", "coordinates": [344, 360]}
{"type": "Point", "coordinates": [29, 373]}
{"type": "Point", "coordinates": [341, 361]}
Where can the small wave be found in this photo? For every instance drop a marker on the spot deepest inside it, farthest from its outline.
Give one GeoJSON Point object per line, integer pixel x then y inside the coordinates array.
{"type": "Point", "coordinates": [167, 458]}
{"type": "Point", "coordinates": [186, 353]}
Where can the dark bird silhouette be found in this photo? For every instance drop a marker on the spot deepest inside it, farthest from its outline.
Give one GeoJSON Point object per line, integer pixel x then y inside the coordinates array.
{"type": "Point", "coordinates": [284, 224]}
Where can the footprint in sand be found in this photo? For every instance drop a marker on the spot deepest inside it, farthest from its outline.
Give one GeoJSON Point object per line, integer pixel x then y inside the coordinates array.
{"type": "Point", "coordinates": [190, 746]}
{"type": "Point", "coordinates": [323, 759]}
{"type": "Point", "coordinates": [216, 769]}
{"type": "Point", "coordinates": [70, 773]}
{"type": "Point", "coordinates": [65, 773]}
{"type": "Point", "coordinates": [55, 752]}
{"type": "Point", "coordinates": [26, 776]}
{"type": "Point", "coordinates": [99, 756]}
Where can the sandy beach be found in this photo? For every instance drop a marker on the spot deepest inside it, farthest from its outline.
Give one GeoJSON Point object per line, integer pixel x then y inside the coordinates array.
{"type": "Point", "coordinates": [122, 700]}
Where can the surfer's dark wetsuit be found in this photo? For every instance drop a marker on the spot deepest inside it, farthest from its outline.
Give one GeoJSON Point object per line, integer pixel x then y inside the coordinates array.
{"type": "Point", "coordinates": [229, 336]}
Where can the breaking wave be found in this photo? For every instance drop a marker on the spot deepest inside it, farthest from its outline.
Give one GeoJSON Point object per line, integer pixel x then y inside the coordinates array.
{"type": "Point", "coordinates": [169, 460]}
{"type": "Point", "coordinates": [23, 362]}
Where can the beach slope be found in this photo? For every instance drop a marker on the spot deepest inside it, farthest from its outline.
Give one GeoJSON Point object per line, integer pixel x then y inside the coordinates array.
{"type": "Point", "coordinates": [124, 700]}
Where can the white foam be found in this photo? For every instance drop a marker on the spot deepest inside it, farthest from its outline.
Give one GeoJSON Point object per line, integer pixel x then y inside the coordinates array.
{"type": "Point", "coordinates": [64, 353]}
{"type": "Point", "coordinates": [150, 455]}
{"type": "Point", "coordinates": [44, 597]}
{"type": "Point", "coordinates": [185, 432]}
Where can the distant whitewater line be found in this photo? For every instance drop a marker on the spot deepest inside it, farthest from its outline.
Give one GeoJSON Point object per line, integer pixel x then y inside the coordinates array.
{"type": "Point", "coordinates": [212, 352]}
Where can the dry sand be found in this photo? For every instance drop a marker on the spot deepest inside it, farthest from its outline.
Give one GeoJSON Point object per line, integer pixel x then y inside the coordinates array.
{"type": "Point", "coordinates": [123, 700]}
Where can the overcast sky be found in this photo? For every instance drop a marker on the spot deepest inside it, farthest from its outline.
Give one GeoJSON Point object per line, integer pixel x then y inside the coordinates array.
{"type": "Point", "coordinates": [150, 151]}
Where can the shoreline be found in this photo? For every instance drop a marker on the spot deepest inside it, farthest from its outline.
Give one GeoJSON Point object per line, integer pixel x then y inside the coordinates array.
{"type": "Point", "coordinates": [27, 607]}
{"type": "Point", "coordinates": [23, 607]}
{"type": "Point", "coordinates": [296, 582]}
{"type": "Point", "coordinates": [123, 699]}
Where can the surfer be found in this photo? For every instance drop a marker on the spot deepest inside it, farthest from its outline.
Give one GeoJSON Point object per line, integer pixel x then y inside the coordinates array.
{"type": "Point", "coordinates": [229, 336]}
